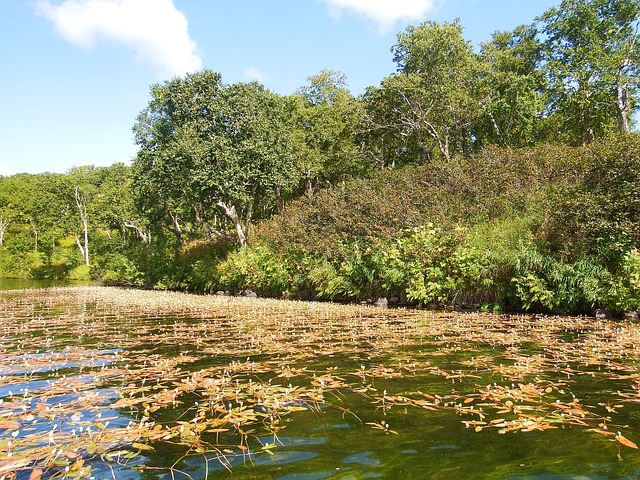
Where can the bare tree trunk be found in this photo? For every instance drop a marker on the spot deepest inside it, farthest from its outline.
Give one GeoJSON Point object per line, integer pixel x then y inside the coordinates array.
{"type": "Point", "coordinates": [496, 128]}
{"type": "Point", "coordinates": [249, 213]}
{"type": "Point", "coordinates": [144, 236]}
{"type": "Point", "coordinates": [82, 209]}
{"type": "Point", "coordinates": [83, 252]}
{"type": "Point", "coordinates": [230, 212]}
{"type": "Point", "coordinates": [3, 228]}
{"type": "Point", "coordinates": [622, 98]}
{"type": "Point", "coordinates": [176, 230]}
{"type": "Point", "coordinates": [622, 107]}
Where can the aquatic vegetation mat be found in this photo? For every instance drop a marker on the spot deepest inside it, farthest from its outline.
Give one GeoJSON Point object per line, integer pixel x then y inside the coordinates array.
{"type": "Point", "coordinates": [116, 383]}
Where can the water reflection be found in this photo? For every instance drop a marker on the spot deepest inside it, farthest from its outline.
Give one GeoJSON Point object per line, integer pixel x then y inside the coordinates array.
{"type": "Point", "coordinates": [169, 386]}
{"type": "Point", "coordinates": [29, 283]}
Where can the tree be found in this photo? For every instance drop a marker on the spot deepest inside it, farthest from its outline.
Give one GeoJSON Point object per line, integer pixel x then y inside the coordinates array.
{"type": "Point", "coordinates": [326, 120]}
{"type": "Point", "coordinates": [515, 85]}
{"type": "Point", "coordinates": [591, 58]}
{"type": "Point", "coordinates": [83, 184]}
{"type": "Point", "coordinates": [207, 149]}
{"type": "Point", "coordinates": [9, 205]}
{"type": "Point", "coordinates": [434, 98]}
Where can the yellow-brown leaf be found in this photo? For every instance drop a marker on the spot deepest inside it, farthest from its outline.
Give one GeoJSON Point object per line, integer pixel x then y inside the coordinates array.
{"type": "Point", "coordinates": [626, 442]}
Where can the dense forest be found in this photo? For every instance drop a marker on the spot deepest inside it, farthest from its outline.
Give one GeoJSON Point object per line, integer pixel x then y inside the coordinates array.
{"type": "Point", "coordinates": [505, 176]}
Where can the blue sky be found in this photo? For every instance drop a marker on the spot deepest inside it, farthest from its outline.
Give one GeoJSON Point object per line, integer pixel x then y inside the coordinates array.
{"type": "Point", "coordinates": [76, 73]}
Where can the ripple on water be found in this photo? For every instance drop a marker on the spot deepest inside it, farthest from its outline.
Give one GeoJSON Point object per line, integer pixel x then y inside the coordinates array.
{"type": "Point", "coordinates": [306, 476]}
{"type": "Point", "coordinates": [292, 441]}
{"type": "Point", "coordinates": [563, 476]}
{"type": "Point", "coordinates": [283, 457]}
{"type": "Point", "coordinates": [363, 458]}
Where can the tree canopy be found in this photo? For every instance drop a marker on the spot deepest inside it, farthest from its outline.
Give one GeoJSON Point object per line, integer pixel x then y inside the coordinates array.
{"type": "Point", "coordinates": [210, 150]}
{"type": "Point", "coordinates": [504, 173]}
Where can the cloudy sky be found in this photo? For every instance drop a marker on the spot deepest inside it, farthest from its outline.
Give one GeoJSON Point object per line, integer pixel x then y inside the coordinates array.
{"type": "Point", "coordinates": [75, 73]}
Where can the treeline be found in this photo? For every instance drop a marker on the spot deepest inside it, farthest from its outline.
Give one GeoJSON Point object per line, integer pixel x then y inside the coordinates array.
{"type": "Point", "coordinates": [506, 177]}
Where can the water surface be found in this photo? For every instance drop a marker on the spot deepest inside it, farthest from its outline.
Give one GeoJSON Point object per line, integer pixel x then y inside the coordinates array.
{"type": "Point", "coordinates": [127, 384]}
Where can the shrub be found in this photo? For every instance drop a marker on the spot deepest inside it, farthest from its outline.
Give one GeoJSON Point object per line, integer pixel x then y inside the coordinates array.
{"type": "Point", "coordinates": [257, 268]}
{"type": "Point", "coordinates": [117, 269]}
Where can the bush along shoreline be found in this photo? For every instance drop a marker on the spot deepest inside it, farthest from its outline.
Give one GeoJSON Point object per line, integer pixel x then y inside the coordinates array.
{"type": "Point", "coordinates": [544, 229]}
{"type": "Point", "coordinates": [560, 236]}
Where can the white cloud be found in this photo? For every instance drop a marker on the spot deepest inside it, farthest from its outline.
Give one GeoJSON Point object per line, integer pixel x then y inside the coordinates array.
{"type": "Point", "coordinates": [154, 30]}
{"type": "Point", "coordinates": [385, 13]}
{"type": "Point", "coordinates": [255, 74]}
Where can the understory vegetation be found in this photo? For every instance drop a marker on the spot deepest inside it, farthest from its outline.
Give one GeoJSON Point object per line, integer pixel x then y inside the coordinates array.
{"type": "Point", "coordinates": [542, 228]}
{"type": "Point", "coordinates": [507, 178]}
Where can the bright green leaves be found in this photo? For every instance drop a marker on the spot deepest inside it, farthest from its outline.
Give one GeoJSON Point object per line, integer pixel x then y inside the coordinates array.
{"type": "Point", "coordinates": [433, 99]}
{"type": "Point", "coordinates": [211, 151]}
{"type": "Point", "coordinates": [591, 62]}
{"type": "Point", "coordinates": [326, 120]}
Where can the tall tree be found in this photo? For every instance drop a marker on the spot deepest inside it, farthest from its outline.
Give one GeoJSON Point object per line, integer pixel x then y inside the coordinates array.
{"type": "Point", "coordinates": [591, 54]}
{"type": "Point", "coordinates": [83, 185]}
{"type": "Point", "coordinates": [326, 120]}
{"type": "Point", "coordinates": [515, 89]}
{"type": "Point", "coordinates": [434, 97]}
{"type": "Point", "coordinates": [209, 149]}
{"type": "Point", "coordinates": [10, 208]}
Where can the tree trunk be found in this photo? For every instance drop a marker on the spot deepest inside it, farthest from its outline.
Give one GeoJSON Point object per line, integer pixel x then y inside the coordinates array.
{"type": "Point", "coordinates": [82, 209]}
{"type": "Point", "coordinates": [622, 102]}
{"type": "Point", "coordinates": [3, 228]}
{"type": "Point", "coordinates": [144, 236]}
{"type": "Point", "coordinates": [249, 213]}
{"type": "Point", "coordinates": [230, 212]}
{"type": "Point", "coordinates": [496, 129]}
{"type": "Point", "coordinates": [176, 230]}
{"type": "Point", "coordinates": [623, 105]}
{"type": "Point", "coordinates": [83, 252]}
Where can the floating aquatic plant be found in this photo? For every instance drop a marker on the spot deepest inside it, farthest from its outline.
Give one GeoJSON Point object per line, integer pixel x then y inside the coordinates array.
{"type": "Point", "coordinates": [94, 376]}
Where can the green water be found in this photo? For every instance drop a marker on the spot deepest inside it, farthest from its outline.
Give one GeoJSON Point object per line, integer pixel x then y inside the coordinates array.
{"type": "Point", "coordinates": [23, 283]}
{"type": "Point", "coordinates": [354, 432]}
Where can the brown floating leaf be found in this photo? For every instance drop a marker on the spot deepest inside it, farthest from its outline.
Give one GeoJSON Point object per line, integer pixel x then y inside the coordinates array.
{"type": "Point", "coordinates": [36, 473]}
{"type": "Point", "coordinates": [9, 424]}
{"type": "Point", "coordinates": [9, 466]}
{"type": "Point", "coordinates": [626, 442]}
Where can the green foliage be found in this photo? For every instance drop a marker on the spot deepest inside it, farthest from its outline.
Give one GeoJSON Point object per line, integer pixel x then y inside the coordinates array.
{"type": "Point", "coordinates": [210, 151]}
{"type": "Point", "coordinates": [625, 289]}
{"type": "Point", "coordinates": [191, 267]}
{"type": "Point", "coordinates": [81, 272]}
{"type": "Point", "coordinates": [326, 120]}
{"type": "Point", "coordinates": [117, 269]}
{"type": "Point", "coordinates": [540, 281]}
{"type": "Point", "coordinates": [598, 213]}
{"type": "Point", "coordinates": [257, 268]}
{"type": "Point", "coordinates": [591, 63]}
{"type": "Point", "coordinates": [432, 102]}
{"type": "Point", "coordinates": [514, 87]}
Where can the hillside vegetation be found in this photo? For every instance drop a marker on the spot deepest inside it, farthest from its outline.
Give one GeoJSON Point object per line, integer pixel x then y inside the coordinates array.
{"type": "Point", "coordinates": [500, 178]}
{"type": "Point", "coordinates": [540, 228]}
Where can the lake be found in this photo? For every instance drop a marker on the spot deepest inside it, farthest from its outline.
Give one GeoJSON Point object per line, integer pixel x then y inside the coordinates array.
{"type": "Point", "coordinates": [23, 283]}
{"type": "Point", "coordinates": [126, 384]}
